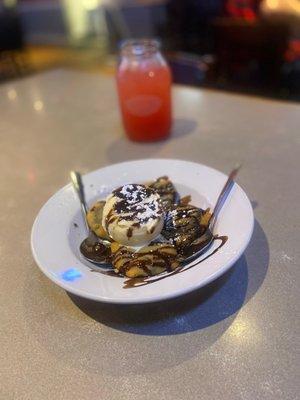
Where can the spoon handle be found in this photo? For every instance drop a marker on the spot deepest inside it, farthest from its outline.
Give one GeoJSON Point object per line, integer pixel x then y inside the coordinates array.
{"type": "Point", "coordinates": [78, 187]}
{"type": "Point", "coordinates": [223, 196]}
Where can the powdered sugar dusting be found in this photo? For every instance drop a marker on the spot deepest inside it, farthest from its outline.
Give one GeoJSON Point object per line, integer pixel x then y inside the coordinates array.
{"type": "Point", "coordinates": [138, 202]}
{"type": "Point", "coordinates": [151, 209]}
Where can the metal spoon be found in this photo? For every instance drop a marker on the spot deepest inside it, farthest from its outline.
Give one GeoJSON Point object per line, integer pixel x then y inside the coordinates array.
{"type": "Point", "coordinates": [91, 247]}
{"type": "Point", "coordinates": [208, 237]}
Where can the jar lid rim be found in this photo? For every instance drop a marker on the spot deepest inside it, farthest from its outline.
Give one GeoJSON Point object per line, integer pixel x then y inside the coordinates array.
{"type": "Point", "coordinates": [140, 46]}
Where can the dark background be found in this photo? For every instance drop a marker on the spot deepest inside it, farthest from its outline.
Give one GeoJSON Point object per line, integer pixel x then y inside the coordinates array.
{"type": "Point", "coordinates": [248, 46]}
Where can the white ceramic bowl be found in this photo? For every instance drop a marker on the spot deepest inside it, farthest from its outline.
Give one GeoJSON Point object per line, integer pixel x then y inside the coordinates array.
{"type": "Point", "coordinates": [59, 229]}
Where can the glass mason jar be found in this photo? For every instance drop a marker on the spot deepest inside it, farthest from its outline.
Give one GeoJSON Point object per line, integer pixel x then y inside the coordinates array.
{"type": "Point", "coordinates": [144, 88]}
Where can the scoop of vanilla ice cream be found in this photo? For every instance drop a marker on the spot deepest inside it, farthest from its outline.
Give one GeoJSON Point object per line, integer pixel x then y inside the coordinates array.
{"type": "Point", "coordinates": [133, 215]}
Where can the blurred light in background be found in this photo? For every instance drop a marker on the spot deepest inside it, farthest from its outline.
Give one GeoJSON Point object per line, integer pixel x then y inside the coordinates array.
{"type": "Point", "coordinates": [91, 4]}
{"type": "Point", "coordinates": [273, 4]}
{"type": "Point", "coordinates": [9, 3]}
{"type": "Point", "coordinates": [85, 22]}
{"type": "Point", "coordinates": [76, 17]}
{"type": "Point", "coordinates": [12, 94]}
{"type": "Point", "coordinates": [38, 105]}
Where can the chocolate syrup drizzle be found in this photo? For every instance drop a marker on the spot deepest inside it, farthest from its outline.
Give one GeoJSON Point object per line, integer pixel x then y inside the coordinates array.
{"type": "Point", "coordinates": [147, 280]}
{"type": "Point", "coordinates": [129, 207]}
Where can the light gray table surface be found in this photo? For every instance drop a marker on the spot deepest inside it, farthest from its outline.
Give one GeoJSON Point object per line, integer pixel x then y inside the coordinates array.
{"type": "Point", "coordinates": [238, 338]}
